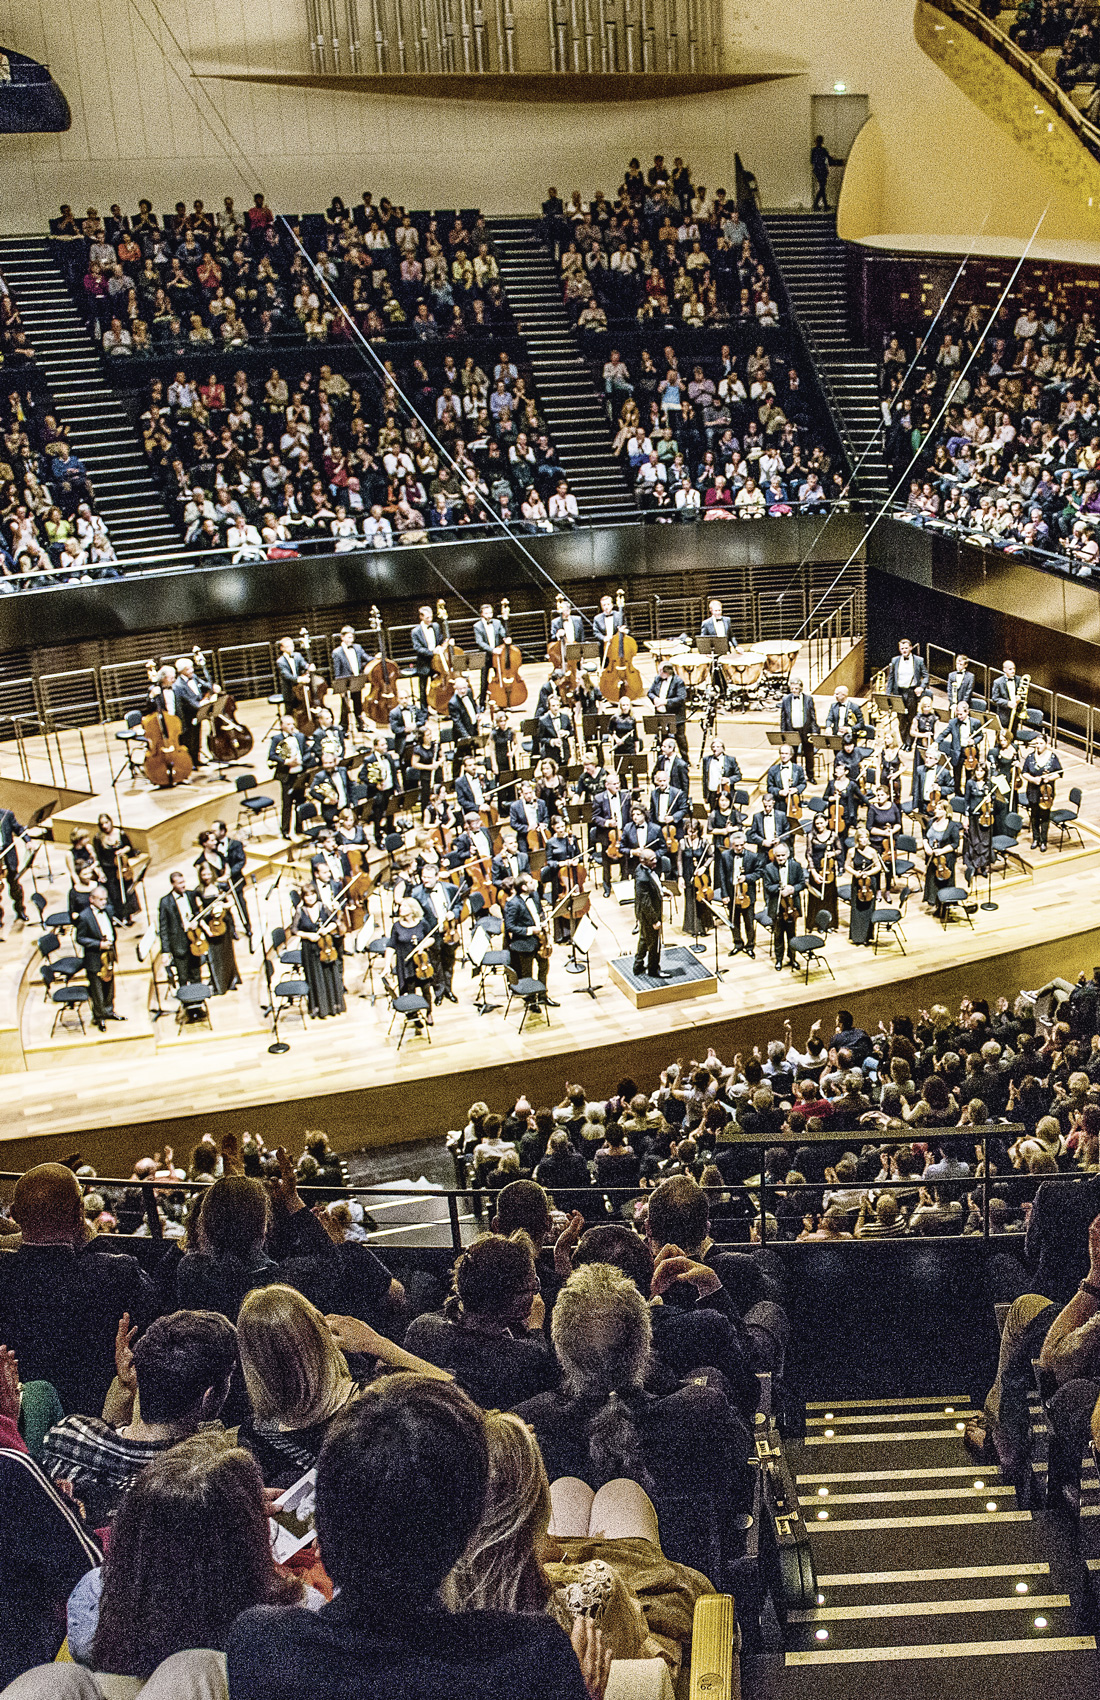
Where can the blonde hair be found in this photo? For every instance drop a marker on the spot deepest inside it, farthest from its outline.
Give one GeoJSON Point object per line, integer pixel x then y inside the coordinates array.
{"type": "Point", "coordinates": [295, 1373]}
{"type": "Point", "coordinates": [501, 1569]}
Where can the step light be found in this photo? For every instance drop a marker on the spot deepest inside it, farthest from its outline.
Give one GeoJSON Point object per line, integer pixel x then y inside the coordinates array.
{"type": "Point", "coordinates": [823, 1493]}
{"type": "Point", "coordinates": [1040, 1622]}
{"type": "Point", "coordinates": [979, 1486]}
{"type": "Point", "coordinates": [1021, 1587]}
{"type": "Point", "coordinates": [991, 1505]}
{"type": "Point", "coordinates": [823, 1634]}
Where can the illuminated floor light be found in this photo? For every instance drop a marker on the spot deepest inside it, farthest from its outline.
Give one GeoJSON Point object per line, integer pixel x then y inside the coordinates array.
{"type": "Point", "coordinates": [1021, 1587]}
{"type": "Point", "coordinates": [961, 1427]}
{"type": "Point", "coordinates": [828, 1416]}
{"type": "Point", "coordinates": [949, 1410]}
{"type": "Point", "coordinates": [823, 1634]}
{"type": "Point", "coordinates": [991, 1505]}
{"type": "Point", "coordinates": [829, 1433]}
{"type": "Point", "coordinates": [823, 1516]}
{"type": "Point", "coordinates": [979, 1486]}
{"type": "Point", "coordinates": [823, 1493]}
{"type": "Point", "coordinates": [1040, 1622]}
{"type": "Point", "coordinates": [821, 1599]}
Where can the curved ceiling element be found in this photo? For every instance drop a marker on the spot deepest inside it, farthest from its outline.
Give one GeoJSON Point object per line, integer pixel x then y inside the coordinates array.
{"type": "Point", "coordinates": [30, 101]}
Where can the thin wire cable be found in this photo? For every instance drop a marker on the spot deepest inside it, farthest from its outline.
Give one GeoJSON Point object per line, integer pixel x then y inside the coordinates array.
{"type": "Point", "coordinates": [946, 404]}
{"type": "Point", "coordinates": [880, 428]}
{"type": "Point", "coordinates": [361, 342]}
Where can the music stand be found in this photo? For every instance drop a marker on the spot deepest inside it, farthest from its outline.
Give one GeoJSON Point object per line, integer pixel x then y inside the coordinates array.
{"type": "Point", "coordinates": [827, 741]}
{"type": "Point", "coordinates": [148, 950]}
{"type": "Point", "coordinates": [634, 763]}
{"type": "Point", "coordinates": [887, 704]}
{"type": "Point", "coordinates": [776, 739]}
{"type": "Point", "coordinates": [577, 653]}
{"type": "Point", "coordinates": [714, 647]}
{"type": "Point", "coordinates": [664, 726]}
{"type": "Point", "coordinates": [584, 937]}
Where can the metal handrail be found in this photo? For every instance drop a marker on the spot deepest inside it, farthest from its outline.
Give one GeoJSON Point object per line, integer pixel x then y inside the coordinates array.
{"type": "Point", "coordinates": [1024, 65]}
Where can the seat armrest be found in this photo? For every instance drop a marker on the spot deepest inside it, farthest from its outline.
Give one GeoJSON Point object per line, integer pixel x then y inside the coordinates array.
{"type": "Point", "coordinates": [715, 1671]}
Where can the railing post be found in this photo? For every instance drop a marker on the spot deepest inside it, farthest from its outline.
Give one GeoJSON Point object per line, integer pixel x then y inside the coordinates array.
{"type": "Point", "coordinates": [763, 1199]}
{"type": "Point", "coordinates": [456, 1226]}
{"type": "Point", "coordinates": [985, 1192]}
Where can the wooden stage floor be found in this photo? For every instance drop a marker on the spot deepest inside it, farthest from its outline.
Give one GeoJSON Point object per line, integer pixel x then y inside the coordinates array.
{"type": "Point", "coordinates": [97, 1093]}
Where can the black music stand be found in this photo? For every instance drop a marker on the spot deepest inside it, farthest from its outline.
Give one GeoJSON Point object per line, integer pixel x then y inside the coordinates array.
{"type": "Point", "coordinates": [827, 741]}
{"type": "Point", "coordinates": [887, 704]}
{"type": "Point", "coordinates": [776, 739]}
{"type": "Point", "coordinates": [578, 653]}
{"type": "Point", "coordinates": [713, 648]}
{"type": "Point", "coordinates": [662, 726]}
{"type": "Point", "coordinates": [634, 763]}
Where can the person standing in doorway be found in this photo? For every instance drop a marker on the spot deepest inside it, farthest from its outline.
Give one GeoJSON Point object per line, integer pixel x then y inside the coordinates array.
{"type": "Point", "coordinates": [820, 161]}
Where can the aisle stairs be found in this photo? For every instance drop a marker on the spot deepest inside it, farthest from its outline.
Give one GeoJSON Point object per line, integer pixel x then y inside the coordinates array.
{"type": "Point", "coordinates": [68, 358]}
{"type": "Point", "coordinates": [574, 409]}
{"type": "Point", "coordinates": [811, 261]}
{"type": "Point", "coordinates": [929, 1571]}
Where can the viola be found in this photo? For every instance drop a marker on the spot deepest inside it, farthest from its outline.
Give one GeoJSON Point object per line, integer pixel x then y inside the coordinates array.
{"type": "Point", "coordinates": [985, 810]}
{"type": "Point", "coordinates": [506, 687]}
{"type": "Point", "coordinates": [1046, 793]}
{"type": "Point", "coordinates": [865, 886]}
{"type": "Point", "coordinates": [793, 803]}
{"type": "Point", "coordinates": [442, 686]}
{"type": "Point", "coordinates": [166, 763]}
{"type": "Point", "coordinates": [380, 695]}
{"type": "Point", "coordinates": [704, 882]}
{"type": "Point", "coordinates": [620, 677]}
{"type": "Point", "coordinates": [228, 739]}
{"type": "Point", "coordinates": [613, 851]}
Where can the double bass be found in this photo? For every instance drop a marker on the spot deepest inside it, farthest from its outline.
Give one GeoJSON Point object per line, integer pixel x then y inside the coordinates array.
{"type": "Point", "coordinates": [228, 740]}
{"type": "Point", "coordinates": [442, 686]}
{"type": "Point", "coordinates": [166, 762]}
{"type": "Point", "coordinates": [506, 687]}
{"type": "Point", "coordinates": [380, 695]}
{"type": "Point", "coordinates": [620, 677]}
{"type": "Point", "coordinates": [310, 691]}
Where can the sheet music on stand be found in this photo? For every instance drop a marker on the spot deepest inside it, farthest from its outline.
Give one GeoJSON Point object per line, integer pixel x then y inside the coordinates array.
{"type": "Point", "coordinates": [712, 647]}
{"type": "Point", "coordinates": [578, 653]}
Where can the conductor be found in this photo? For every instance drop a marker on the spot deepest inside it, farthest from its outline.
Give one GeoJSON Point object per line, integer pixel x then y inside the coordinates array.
{"type": "Point", "coordinates": [649, 909]}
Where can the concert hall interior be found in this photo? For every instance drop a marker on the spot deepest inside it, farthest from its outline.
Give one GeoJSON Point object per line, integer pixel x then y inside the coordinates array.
{"type": "Point", "coordinates": [529, 536]}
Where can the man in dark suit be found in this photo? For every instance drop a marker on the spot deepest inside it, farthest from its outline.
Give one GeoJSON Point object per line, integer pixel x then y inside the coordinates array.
{"type": "Point", "coordinates": [1005, 694]}
{"type": "Point", "coordinates": [716, 625]}
{"type": "Point", "coordinates": [666, 805]}
{"type": "Point", "coordinates": [287, 754]}
{"type": "Point", "coordinates": [348, 661]}
{"type": "Point", "coordinates": [95, 939]}
{"type": "Point", "coordinates": [740, 872]}
{"type": "Point", "coordinates": [610, 814]}
{"type": "Point", "coordinates": [60, 1302]}
{"type": "Point", "coordinates": [640, 833]}
{"type": "Point", "coordinates": [607, 622]}
{"type": "Point", "coordinates": [955, 740]}
{"type": "Point", "coordinates": [960, 683]}
{"type": "Point", "coordinates": [668, 694]}
{"type": "Point", "coordinates": [798, 715]}
{"type": "Point", "coordinates": [291, 667]}
{"type": "Point", "coordinates": [567, 624]}
{"type": "Point", "coordinates": [510, 861]}
{"type": "Point", "coordinates": [907, 677]}
{"type": "Point", "coordinates": [784, 881]}
{"type": "Point", "coordinates": [786, 778]}
{"type": "Point", "coordinates": [768, 824]}
{"type": "Point", "coordinates": [175, 913]}
{"type": "Point", "coordinates": [670, 761]}
{"type": "Point", "coordinates": [463, 715]}
{"type": "Point", "coordinates": [844, 715]}
{"type": "Point", "coordinates": [718, 769]}
{"type": "Point", "coordinates": [526, 816]}
{"type": "Point", "coordinates": [649, 911]}
{"type": "Point", "coordinates": [526, 930]}
{"type": "Point", "coordinates": [330, 867]}
{"type": "Point", "coordinates": [381, 774]}
{"type": "Point", "coordinates": [405, 723]}
{"type": "Point", "coordinates": [438, 898]}
{"type": "Point", "coordinates": [489, 634]}
{"type": "Point", "coordinates": [9, 831]}
{"type": "Point", "coordinates": [192, 691]}
{"type": "Point", "coordinates": [427, 635]}
{"type": "Point", "coordinates": [472, 787]}
{"type": "Point", "coordinates": [236, 857]}
{"type": "Point", "coordinates": [331, 788]}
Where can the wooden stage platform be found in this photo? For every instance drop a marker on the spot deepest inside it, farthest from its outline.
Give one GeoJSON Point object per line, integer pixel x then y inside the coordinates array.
{"type": "Point", "coordinates": [99, 1093]}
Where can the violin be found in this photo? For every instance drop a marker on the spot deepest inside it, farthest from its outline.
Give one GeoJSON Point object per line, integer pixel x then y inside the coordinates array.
{"type": "Point", "coordinates": [1046, 793]}
{"type": "Point", "coordinates": [506, 687]}
{"type": "Point", "coordinates": [704, 881]}
{"type": "Point", "coordinates": [620, 677]}
{"type": "Point", "coordinates": [794, 807]}
{"type": "Point", "coordinates": [613, 851]}
{"type": "Point", "coordinates": [672, 839]}
{"type": "Point", "coordinates": [866, 885]}
{"type": "Point", "coordinates": [442, 686]}
{"type": "Point", "coordinates": [421, 956]}
{"type": "Point", "coordinates": [107, 959]}
{"type": "Point", "coordinates": [166, 763]}
{"type": "Point", "coordinates": [380, 695]}
{"type": "Point", "coordinates": [985, 810]}
{"type": "Point", "coordinates": [788, 906]}
{"type": "Point", "coordinates": [834, 814]}
{"type": "Point", "coordinates": [942, 865]}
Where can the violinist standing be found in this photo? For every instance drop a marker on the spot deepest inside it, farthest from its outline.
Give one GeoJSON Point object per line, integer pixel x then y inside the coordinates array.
{"type": "Point", "coordinates": [409, 930]}
{"type": "Point", "coordinates": [97, 940]}
{"type": "Point", "coordinates": [741, 869]}
{"type": "Point", "coordinates": [463, 714]}
{"type": "Point", "coordinates": [562, 849]}
{"type": "Point", "coordinates": [438, 899]}
{"type": "Point", "coordinates": [525, 926]}
{"type": "Point", "coordinates": [668, 694]}
{"type": "Point", "coordinates": [220, 929]}
{"type": "Point", "coordinates": [316, 923]}
{"type": "Point", "coordinates": [9, 831]}
{"type": "Point", "coordinates": [175, 914]}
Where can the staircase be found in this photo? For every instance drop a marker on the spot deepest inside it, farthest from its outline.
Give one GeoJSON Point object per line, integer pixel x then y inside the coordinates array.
{"type": "Point", "coordinates": [574, 410]}
{"type": "Point", "coordinates": [68, 359]}
{"type": "Point", "coordinates": [810, 257]}
{"type": "Point", "coordinates": [928, 1569]}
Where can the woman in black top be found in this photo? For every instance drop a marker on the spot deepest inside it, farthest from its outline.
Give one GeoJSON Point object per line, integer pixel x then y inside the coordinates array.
{"type": "Point", "coordinates": [490, 1332]}
{"type": "Point", "coordinates": [866, 872]}
{"type": "Point", "coordinates": [941, 848]}
{"type": "Point", "coordinates": [316, 924]}
{"type": "Point", "coordinates": [109, 841]}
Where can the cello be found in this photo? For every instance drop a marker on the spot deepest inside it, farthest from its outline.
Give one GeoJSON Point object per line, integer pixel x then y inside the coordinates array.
{"type": "Point", "coordinates": [620, 677]}
{"type": "Point", "coordinates": [442, 686]}
{"type": "Point", "coordinates": [506, 687]}
{"type": "Point", "coordinates": [380, 695]}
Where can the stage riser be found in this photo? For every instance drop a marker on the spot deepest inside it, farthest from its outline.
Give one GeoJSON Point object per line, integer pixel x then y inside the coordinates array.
{"type": "Point", "coordinates": [393, 1112]}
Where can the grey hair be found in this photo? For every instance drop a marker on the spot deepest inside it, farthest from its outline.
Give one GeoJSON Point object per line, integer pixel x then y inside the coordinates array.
{"type": "Point", "coordinates": [601, 1331]}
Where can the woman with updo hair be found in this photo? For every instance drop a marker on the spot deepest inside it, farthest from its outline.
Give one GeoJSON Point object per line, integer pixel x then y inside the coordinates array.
{"type": "Point", "coordinates": [688, 1449]}
{"type": "Point", "coordinates": [489, 1333]}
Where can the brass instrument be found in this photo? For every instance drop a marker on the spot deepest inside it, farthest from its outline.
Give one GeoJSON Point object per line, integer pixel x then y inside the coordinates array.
{"type": "Point", "coordinates": [326, 790]}
{"type": "Point", "coordinates": [877, 688]}
{"type": "Point", "coordinates": [1020, 708]}
{"type": "Point", "coordinates": [287, 752]}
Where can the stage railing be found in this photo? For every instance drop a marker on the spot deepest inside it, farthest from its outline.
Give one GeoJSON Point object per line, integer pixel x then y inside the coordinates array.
{"type": "Point", "coordinates": [1068, 718]}
{"type": "Point", "coordinates": [760, 1190]}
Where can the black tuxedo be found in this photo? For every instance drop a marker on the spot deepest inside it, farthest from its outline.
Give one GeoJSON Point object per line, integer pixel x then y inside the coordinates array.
{"type": "Point", "coordinates": [910, 694]}
{"type": "Point", "coordinates": [423, 650]}
{"type": "Point", "coordinates": [960, 687]}
{"type": "Point", "coordinates": [173, 936]}
{"type": "Point", "coordinates": [95, 934]}
{"type": "Point", "coordinates": [950, 744]}
{"type": "Point", "coordinates": [9, 829]}
{"type": "Point", "coordinates": [727, 771]}
{"type": "Point", "coordinates": [675, 703]}
{"type": "Point", "coordinates": [679, 773]}
{"type": "Point", "coordinates": [709, 628]}
{"type": "Point", "coordinates": [675, 811]}
{"type": "Point", "coordinates": [800, 734]}
{"type": "Point", "coordinates": [846, 718]}
{"type": "Point", "coordinates": [444, 955]}
{"type": "Point", "coordinates": [775, 778]}
{"type": "Point", "coordinates": [334, 870]}
{"type": "Point", "coordinates": [783, 930]}
{"type": "Point", "coordinates": [510, 867]}
{"type": "Point", "coordinates": [555, 734]}
{"type": "Point", "coordinates": [400, 729]}
{"type": "Point", "coordinates": [522, 932]}
{"type": "Point", "coordinates": [755, 834]}
{"type": "Point", "coordinates": [1001, 699]}
{"type": "Point", "coordinates": [337, 778]}
{"type": "Point", "coordinates": [189, 694]}
{"type": "Point", "coordinates": [488, 635]}
{"type": "Point", "coordinates": [291, 778]}
{"type": "Point", "coordinates": [289, 669]}
{"type": "Point", "coordinates": [571, 633]}
{"type": "Point", "coordinates": [463, 716]}
{"type": "Point", "coordinates": [464, 793]}
{"type": "Point", "coordinates": [606, 625]}
{"type": "Point", "coordinates": [517, 819]}
{"type": "Point", "coordinates": [744, 920]}
{"type": "Point", "coordinates": [649, 911]}
{"type": "Point", "coordinates": [342, 668]}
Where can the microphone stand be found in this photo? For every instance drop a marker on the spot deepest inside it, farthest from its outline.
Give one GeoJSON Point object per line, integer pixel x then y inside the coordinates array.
{"type": "Point", "coordinates": [989, 903]}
